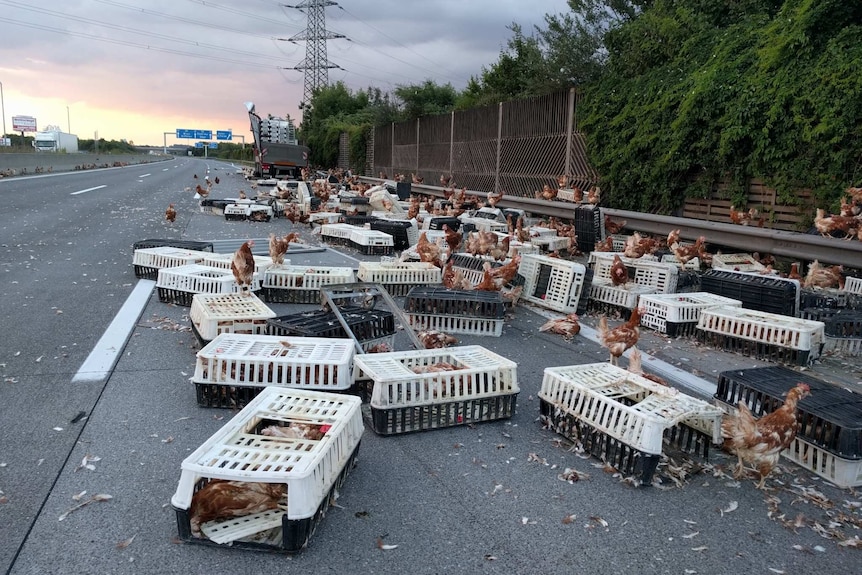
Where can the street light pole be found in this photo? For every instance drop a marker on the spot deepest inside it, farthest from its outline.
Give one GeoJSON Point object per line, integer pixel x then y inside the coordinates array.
{"type": "Point", "coordinates": [68, 120]}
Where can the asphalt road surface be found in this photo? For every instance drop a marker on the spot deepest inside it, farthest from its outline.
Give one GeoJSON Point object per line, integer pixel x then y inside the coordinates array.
{"type": "Point", "coordinates": [487, 498]}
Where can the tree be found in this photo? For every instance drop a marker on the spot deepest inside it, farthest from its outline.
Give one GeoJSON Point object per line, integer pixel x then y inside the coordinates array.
{"type": "Point", "coordinates": [427, 99]}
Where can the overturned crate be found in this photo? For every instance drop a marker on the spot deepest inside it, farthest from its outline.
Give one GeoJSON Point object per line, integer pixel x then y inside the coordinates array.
{"type": "Point", "coordinates": [373, 328]}
{"type": "Point", "coordinates": [147, 261]}
{"type": "Point", "coordinates": [435, 388]}
{"type": "Point", "coordinates": [677, 314]}
{"type": "Point", "coordinates": [178, 285]}
{"type": "Point", "coordinates": [757, 292]}
{"type": "Point", "coordinates": [762, 335]}
{"type": "Point", "coordinates": [624, 418]}
{"type": "Point", "coordinates": [553, 283]}
{"type": "Point", "coordinates": [234, 368]}
{"type": "Point", "coordinates": [296, 446]}
{"type": "Point", "coordinates": [399, 277]}
{"type": "Point", "coordinates": [371, 242]}
{"type": "Point", "coordinates": [213, 314]}
{"type": "Point", "coordinates": [301, 284]}
{"type": "Point", "coordinates": [455, 311]}
{"type": "Point", "coordinates": [829, 438]}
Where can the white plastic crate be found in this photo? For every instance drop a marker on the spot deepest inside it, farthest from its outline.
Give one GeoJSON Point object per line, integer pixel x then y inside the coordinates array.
{"type": "Point", "coordinates": [778, 331]}
{"type": "Point", "coordinates": [599, 256]}
{"type": "Point", "coordinates": [456, 324]}
{"type": "Point", "coordinates": [853, 285]}
{"type": "Point", "coordinates": [147, 261]}
{"type": "Point", "coordinates": [259, 212]}
{"type": "Point", "coordinates": [840, 471]}
{"type": "Point", "coordinates": [295, 277]}
{"type": "Point", "coordinates": [237, 211]}
{"type": "Point", "coordinates": [661, 276]}
{"type": "Point", "coordinates": [310, 469]}
{"type": "Point", "coordinates": [553, 283]}
{"type": "Point", "coordinates": [843, 345]}
{"type": "Point", "coordinates": [372, 241]}
{"type": "Point", "coordinates": [542, 232]}
{"type": "Point", "coordinates": [736, 262]}
{"type": "Point", "coordinates": [431, 388]}
{"type": "Point", "coordinates": [550, 243]}
{"type": "Point", "coordinates": [212, 314]}
{"type": "Point", "coordinates": [325, 217]}
{"type": "Point", "coordinates": [520, 248]}
{"type": "Point", "coordinates": [399, 277]}
{"type": "Point", "coordinates": [262, 360]}
{"type": "Point", "coordinates": [626, 296]}
{"type": "Point", "coordinates": [339, 233]}
{"type": "Point", "coordinates": [625, 406]}
{"type": "Point", "coordinates": [485, 225]}
{"type": "Point", "coordinates": [223, 261]}
{"type": "Point", "coordinates": [692, 264]}
{"type": "Point", "coordinates": [179, 284]}
{"type": "Point", "coordinates": [568, 195]}
{"type": "Point", "coordinates": [666, 313]}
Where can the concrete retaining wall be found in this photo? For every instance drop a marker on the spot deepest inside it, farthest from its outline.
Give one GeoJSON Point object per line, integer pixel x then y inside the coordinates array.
{"type": "Point", "coordinates": [53, 162]}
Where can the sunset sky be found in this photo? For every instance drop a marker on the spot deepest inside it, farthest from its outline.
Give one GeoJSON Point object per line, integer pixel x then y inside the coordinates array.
{"type": "Point", "coordinates": [135, 70]}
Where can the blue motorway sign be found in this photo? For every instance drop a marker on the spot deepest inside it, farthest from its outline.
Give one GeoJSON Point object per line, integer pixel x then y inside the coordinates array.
{"type": "Point", "coordinates": [181, 133]}
{"type": "Point", "coordinates": [204, 134]}
{"type": "Point", "coordinates": [224, 135]}
{"type": "Point", "coordinates": [199, 144]}
{"type": "Point", "coordinates": [213, 145]}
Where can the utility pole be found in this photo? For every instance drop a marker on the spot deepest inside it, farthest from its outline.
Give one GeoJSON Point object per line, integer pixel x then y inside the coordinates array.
{"type": "Point", "coordinates": [315, 65]}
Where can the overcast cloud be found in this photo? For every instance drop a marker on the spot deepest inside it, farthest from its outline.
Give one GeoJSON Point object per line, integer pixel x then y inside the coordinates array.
{"type": "Point", "coordinates": [135, 70]}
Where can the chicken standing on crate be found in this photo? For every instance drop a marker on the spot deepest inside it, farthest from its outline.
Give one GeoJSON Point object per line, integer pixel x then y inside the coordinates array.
{"type": "Point", "coordinates": [684, 254]}
{"type": "Point", "coordinates": [820, 276]}
{"type": "Point", "coordinates": [242, 266]}
{"type": "Point", "coordinates": [453, 239]}
{"type": "Point", "coordinates": [429, 252]}
{"type": "Point", "coordinates": [220, 500]}
{"type": "Point", "coordinates": [761, 441]}
{"type": "Point", "coordinates": [622, 337]}
{"type": "Point", "coordinates": [278, 247]}
{"type": "Point", "coordinates": [618, 272]}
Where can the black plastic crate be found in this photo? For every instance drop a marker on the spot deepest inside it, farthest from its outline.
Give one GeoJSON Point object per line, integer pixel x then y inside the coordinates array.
{"type": "Point", "coordinates": [397, 420]}
{"type": "Point", "coordinates": [589, 226]}
{"type": "Point", "coordinates": [830, 418]}
{"type": "Point", "coordinates": [176, 297]}
{"type": "Point", "coordinates": [180, 244]}
{"type": "Point", "coordinates": [395, 228]}
{"type": "Point", "coordinates": [758, 349]}
{"type": "Point", "coordinates": [365, 324]}
{"type": "Point", "coordinates": [214, 206]}
{"type": "Point", "coordinates": [844, 323]}
{"type": "Point", "coordinates": [402, 190]}
{"type": "Point", "coordinates": [432, 300]}
{"type": "Point", "coordinates": [436, 223]}
{"type": "Point", "coordinates": [688, 281]}
{"type": "Point", "coordinates": [358, 220]}
{"type": "Point", "coordinates": [287, 295]}
{"type": "Point", "coordinates": [474, 263]}
{"type": "Point", "coordinates": [584, 299]}
{"type": "Point", "coordinates": [763, 293]}
{"type": "Point", "coordinates": [295, 534]}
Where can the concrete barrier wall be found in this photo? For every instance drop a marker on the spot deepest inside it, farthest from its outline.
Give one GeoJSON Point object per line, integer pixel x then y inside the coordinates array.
{"type": "Point", "coordinates": [53, 162]}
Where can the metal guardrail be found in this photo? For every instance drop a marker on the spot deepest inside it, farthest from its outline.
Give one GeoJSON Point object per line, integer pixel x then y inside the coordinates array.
{"type": "Point", "coordinates": [794, 245]}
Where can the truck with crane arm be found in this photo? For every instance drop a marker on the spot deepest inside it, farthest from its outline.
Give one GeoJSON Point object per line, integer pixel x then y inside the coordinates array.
{"type": "Point", "coordinates": [277, 153]}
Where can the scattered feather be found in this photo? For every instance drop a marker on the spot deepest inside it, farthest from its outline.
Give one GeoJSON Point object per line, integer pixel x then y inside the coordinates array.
{"type": "Point", "coordinates": [731, 507]}
{"type": "Point", "coordinates": [126, 542]}
{"type": "Point", "coordinates": [384, 546]}
{"type": "Point", "coordinates": [691, 535]}
{"type": "Point", "coordinates": [568, 519]}
{"type": "Point", "coordinates": [701, 548]}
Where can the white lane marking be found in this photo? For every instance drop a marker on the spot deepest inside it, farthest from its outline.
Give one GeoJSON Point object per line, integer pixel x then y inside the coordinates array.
{"type": "Point", "coordinates": [144, 176]}
{"type": "Point", "coordinates": [87, 190]}
{"type": "Point", "coordinates": [166, 169]}
{"type": "Point", "coordinates": [106, 352]}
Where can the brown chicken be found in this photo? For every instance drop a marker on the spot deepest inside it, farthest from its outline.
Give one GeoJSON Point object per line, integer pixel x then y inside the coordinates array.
{"type": "Point", "coordinates": [480, 243]}
{"type": "Point", "coordinates": [634, 247]}
{"type": "Point", "coordinates": [672, 238]}
{"type": "Point", "coordinates": [493, 198]}
{"type": "Point", "coordinates": [568, 326]}
{"type": "Point", "coordinates": [820, 276]}
{"type": "Point", "coordinates": [547, 193]}
{"type": "Point", "coordinates": [294, 216]}
{"type": "Point", "coordinates": [487, 283]}
{"type": "Point", "coordinates": [201, 192]}
{"type": "Point", "coordinates": [219, 500]}
{"type": "Point", "coordinates": [684, 254]}
{"type": "Point", "coordinates": [279, 246]}
{"type": "Point", "coordinates": [606, 245]}
{"type": "Point", "coordinates": [746, 218]}
{"type": "Point", "coordinates": [501, 251]}
{"type": "Point", "coordinates": [635, 367]}
{"type": "Point", "coordinates": [622, 337]}
{"type": "Point", "coordinates": [562, 182]}
{"type": "Point", "coordinates": [826, 225]}
{"type": "Point", "coordinates": [297, 430]}
{"type": "Point", "coordinates": [171, 213]}
{"type": "Point", "coordinates": [506, 272]}
{"type": "Point", "coordinates": [454, 278]}
{"type": "Point", "coordinates": [242, 195]}
{"type": "Point", "coordinates": [619, 273]}
{"type": "Point", "coordinates": [613, 227]}
{"type": "Point", "coordinates": [242, 266]}
{"type": "Point", "coordinates": [760, 441]}
{"type": "Point", "coordinates": [428, 251]}
{"type": "Point", "coordinates": [594, 195]}
{"type": "Point", "coordinates": [433, 339]}
{"type": "Point", "coordinates": [453, 239]}
{"type": "Point", "coordinates": [793, 274]}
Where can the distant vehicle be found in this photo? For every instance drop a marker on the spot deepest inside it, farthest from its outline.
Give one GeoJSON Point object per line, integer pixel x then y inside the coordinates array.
{"type": "Point", "coordinates": [277, 154]}
{"type": "Point", "coordinates": [55, 141]}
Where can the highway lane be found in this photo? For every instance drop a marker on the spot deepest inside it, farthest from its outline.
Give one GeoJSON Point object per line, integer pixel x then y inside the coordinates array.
{"type": "Point", "coordinates": [480, 499]}
{"type": "Point", "coordinates": [65, 257]}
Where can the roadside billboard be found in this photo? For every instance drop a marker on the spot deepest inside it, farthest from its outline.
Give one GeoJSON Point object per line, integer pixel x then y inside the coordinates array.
{"type": "Point", "coordinates": [24, 124]}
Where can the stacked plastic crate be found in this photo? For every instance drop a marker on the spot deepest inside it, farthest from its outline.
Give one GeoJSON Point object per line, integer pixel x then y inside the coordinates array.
{"type": "Point", "coordinates": [405, 233]}
{"type": "Point", "coordinates": [471, 312]}
{"type": "Point", "coordinates": [677, 314]}
{"type": "Point", "coordinates": [301, 284]}
{"type": "Point", "coordinates": [178, 285]}
{"type": "Point", "coordinates": [371, 242]}
{"type": "Point", "coordinates": [212, 314]}
{"type": "Point", "coordinates": [763, 335]}
{"type": "Point", "coordinates": [624, 418]}
{"type": "Point", "coordinates": [649, 277]}
{"type": "Point", "coordinates": [234, 368]}
{"type": "Point", "coordinates": [436, 388]}
{"type": "Point", "coordinates": [296, 447]}
{"type": "Point", "coordinates": [398, 278]}
{"type": "Point", "coordinates": [829, 439]}
{"type": "Point", "coordinates": [757, 292]}
{"type": "Point", "coordinates": [147, 261]}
